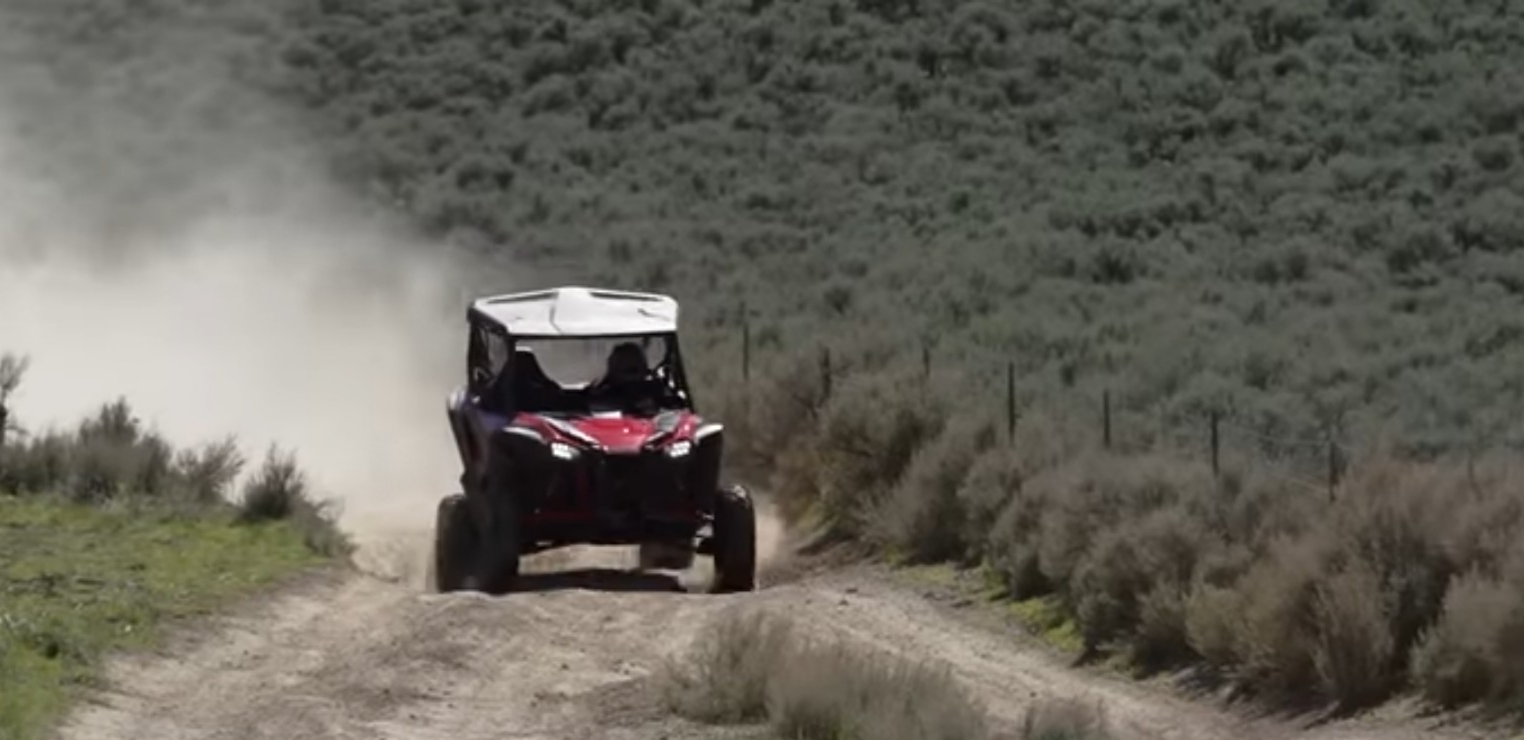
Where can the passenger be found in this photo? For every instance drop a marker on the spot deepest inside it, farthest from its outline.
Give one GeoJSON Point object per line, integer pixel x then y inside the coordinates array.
{"type": "Point", "coordinates": [627, 381]}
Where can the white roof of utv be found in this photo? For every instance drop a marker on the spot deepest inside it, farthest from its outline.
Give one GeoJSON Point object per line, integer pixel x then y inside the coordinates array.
{"type": "Point", "coordinates": [580, 312]}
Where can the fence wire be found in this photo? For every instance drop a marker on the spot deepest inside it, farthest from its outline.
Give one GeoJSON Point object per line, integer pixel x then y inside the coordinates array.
{"type": "Point", "coordinates": [1314, 463]}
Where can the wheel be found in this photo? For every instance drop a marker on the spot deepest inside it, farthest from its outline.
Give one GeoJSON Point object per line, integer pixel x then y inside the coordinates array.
{"type": "Point", "coordinates": [735, 541]}
{"type": "Point", "coordinates": [666, 556]}
{"type": "Point", "coordinates": [454, 544]}
{"type": "Point", "coordinates": [497, 561]}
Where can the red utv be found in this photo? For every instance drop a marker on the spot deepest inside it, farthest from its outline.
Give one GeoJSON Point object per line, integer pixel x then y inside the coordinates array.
{"type": "Point", "coordinates": [569, 434]}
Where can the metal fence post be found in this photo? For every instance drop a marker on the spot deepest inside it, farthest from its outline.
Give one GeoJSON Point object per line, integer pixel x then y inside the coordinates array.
{"type": "Point", "coordinates": [1106, 418]}
{"type": "Point", "coordinates": [825, 371]}
{"type": "Point", "coordinates": [1010, 401]}
{"type": "Point", "coordinates": [1333, 466]}
{"type": "Point", "coordinates": [745, 350]}
{"type": "Point", "coordinates": [1216, 467]}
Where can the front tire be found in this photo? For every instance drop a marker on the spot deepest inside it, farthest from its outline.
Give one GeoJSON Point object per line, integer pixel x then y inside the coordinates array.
{"type": "Point", "coordinates": [497, 563]}
{"type": "Point", "coordinates": [735, 541]}
{"type": "Point", "coordinates": [454, 544]}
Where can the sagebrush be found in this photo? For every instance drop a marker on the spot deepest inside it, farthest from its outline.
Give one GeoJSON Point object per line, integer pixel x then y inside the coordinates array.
{"type": "Point", "coordinates": [111, 458]}
{"type": "Point", "coordinates": [750, 666]}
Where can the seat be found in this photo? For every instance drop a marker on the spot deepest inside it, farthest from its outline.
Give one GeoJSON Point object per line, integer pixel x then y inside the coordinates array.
{"type": "Point", "coordinates": [532, 389]}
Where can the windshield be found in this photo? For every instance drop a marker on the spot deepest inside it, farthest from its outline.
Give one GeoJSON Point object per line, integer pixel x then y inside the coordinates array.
{"type": "Point", "coordinates": [577, 362]}
{"type": "Point", "coordinates": [637, 375]}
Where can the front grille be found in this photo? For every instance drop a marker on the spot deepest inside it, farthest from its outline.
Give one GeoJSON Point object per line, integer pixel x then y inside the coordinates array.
{"type": "Point", "coordinates": [641, 482]}
{"type": "Point", "coordinates": [624, 479]}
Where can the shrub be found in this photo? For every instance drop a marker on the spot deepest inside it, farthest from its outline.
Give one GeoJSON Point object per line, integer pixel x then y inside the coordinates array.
{"type": "Point", "coordinates": [1254, 507]}
{"type": "Point", "coordinates": [208, 471]}
{"type": "Point", "coordinates": [828, 692]}
{"type": "Point", "coordinates": [1350, 596]}
{"type": "Point", "coordinates": [747, 666]}
{"type": "Point", "coordinates": [1393, 517]}
{"type": "Point", "coordinates": [42, 464]}
{"type": "Point", "coordinates": [993, 480]}
{"type": "Point", "coordinates": [109, 466]}
{"type": "Point", "coordinates": [782, 431]}
{"type": "Point", "coordinates": [1213, 624]}
{"type": "Point", "coordinates": [725, 676]}
{"type": "Point", "coordinates": [278, 492]}
{"type": "Point", "coordinates": [1063, 518]}
{"type": "Point", "coordinates": [1092, 495]}
{"type": "Point", "coordinates": [1272, 613]}
{"type": "Point", "coordinates": [924, 517]}
{"type": "Point", "coordinates": [1065, 720]}
{"type": "Point", "coordinates": [1161, 637]}
{"type": "Point", "coordinates": [1283, 589]}
{"type": "Point", "coordinates": [1014, 545]}
{"type": "Point", "coordinates": [1149, 562]}
{"type": "Point", "coordinates": [109, 457]}
{"type": "Point", "coordinates": [1355, 646]}
{"type": "Point", "coordinates": [12, 371]}
{"type": "Point", "coordinates": [1105, 588]}
{"type": "Point", "coordinates": [869, 434]}
{"type": "Point", "coordinates": [1474, 652]}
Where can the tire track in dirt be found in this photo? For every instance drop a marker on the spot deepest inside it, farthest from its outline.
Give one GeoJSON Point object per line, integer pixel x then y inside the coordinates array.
{"type": "Point", "coordinates": [368, 655]}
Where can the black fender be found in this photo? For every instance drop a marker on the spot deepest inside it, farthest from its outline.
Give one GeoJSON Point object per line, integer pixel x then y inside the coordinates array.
{"type": "Point", "coordinates": [520, 469]}
{"type": "Point", "coordinates": [703, 475]}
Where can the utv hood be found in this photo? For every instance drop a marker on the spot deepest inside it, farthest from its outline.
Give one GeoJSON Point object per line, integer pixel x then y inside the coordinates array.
{"type": "Point", "coordinates": [618, 434]}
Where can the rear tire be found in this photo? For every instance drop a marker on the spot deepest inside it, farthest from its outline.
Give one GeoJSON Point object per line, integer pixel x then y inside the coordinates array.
{"type": "Point", "coordinates": [735, 541]}
{"type": "Point", "coordinates": [454, 544]}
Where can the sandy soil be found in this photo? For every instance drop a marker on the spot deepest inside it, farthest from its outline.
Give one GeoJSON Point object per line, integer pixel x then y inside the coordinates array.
{"type": "Point", "coordinates": [372, 654]}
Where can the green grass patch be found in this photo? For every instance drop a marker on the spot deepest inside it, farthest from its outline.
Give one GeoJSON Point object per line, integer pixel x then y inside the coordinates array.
{"type": "Point", "coordinates": [932, 574]}
{"type": "Point", "coordinates": [78, 582]}
{"type": "Point", "coordinates": [1045, 617]}
{"type": "Point", "coordinates": [991, 584]}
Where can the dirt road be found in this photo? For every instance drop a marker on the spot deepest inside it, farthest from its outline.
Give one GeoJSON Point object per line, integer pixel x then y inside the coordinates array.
{"type": "Point", "coordinates": [355, 655]}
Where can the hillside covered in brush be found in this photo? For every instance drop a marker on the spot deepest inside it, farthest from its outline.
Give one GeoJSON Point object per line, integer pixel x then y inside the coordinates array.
{"type": "Point", "coordinates": [1307, 211]}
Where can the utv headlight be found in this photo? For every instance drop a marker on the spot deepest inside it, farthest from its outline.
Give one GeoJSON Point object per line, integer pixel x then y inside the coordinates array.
{"type": "Point", "coordinates": [563, 451]}
{"type": "Point", "coordinates": [680, 449]}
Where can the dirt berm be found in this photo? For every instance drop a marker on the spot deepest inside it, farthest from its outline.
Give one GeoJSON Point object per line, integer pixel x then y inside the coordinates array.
{"type": "Point", "coordinates": [372, 654]}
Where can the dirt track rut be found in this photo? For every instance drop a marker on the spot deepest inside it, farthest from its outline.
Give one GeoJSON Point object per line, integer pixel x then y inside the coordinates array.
{"type": "Point", "coordinates": [357, 656]}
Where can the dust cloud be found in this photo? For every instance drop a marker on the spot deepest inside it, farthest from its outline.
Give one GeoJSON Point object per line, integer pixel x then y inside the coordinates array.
{"type": "Point", "coordinates": [240, 293]}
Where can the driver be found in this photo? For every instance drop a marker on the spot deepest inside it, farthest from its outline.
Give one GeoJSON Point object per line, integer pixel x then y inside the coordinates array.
{"type": "Point", "coordinates": [627, 379]}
